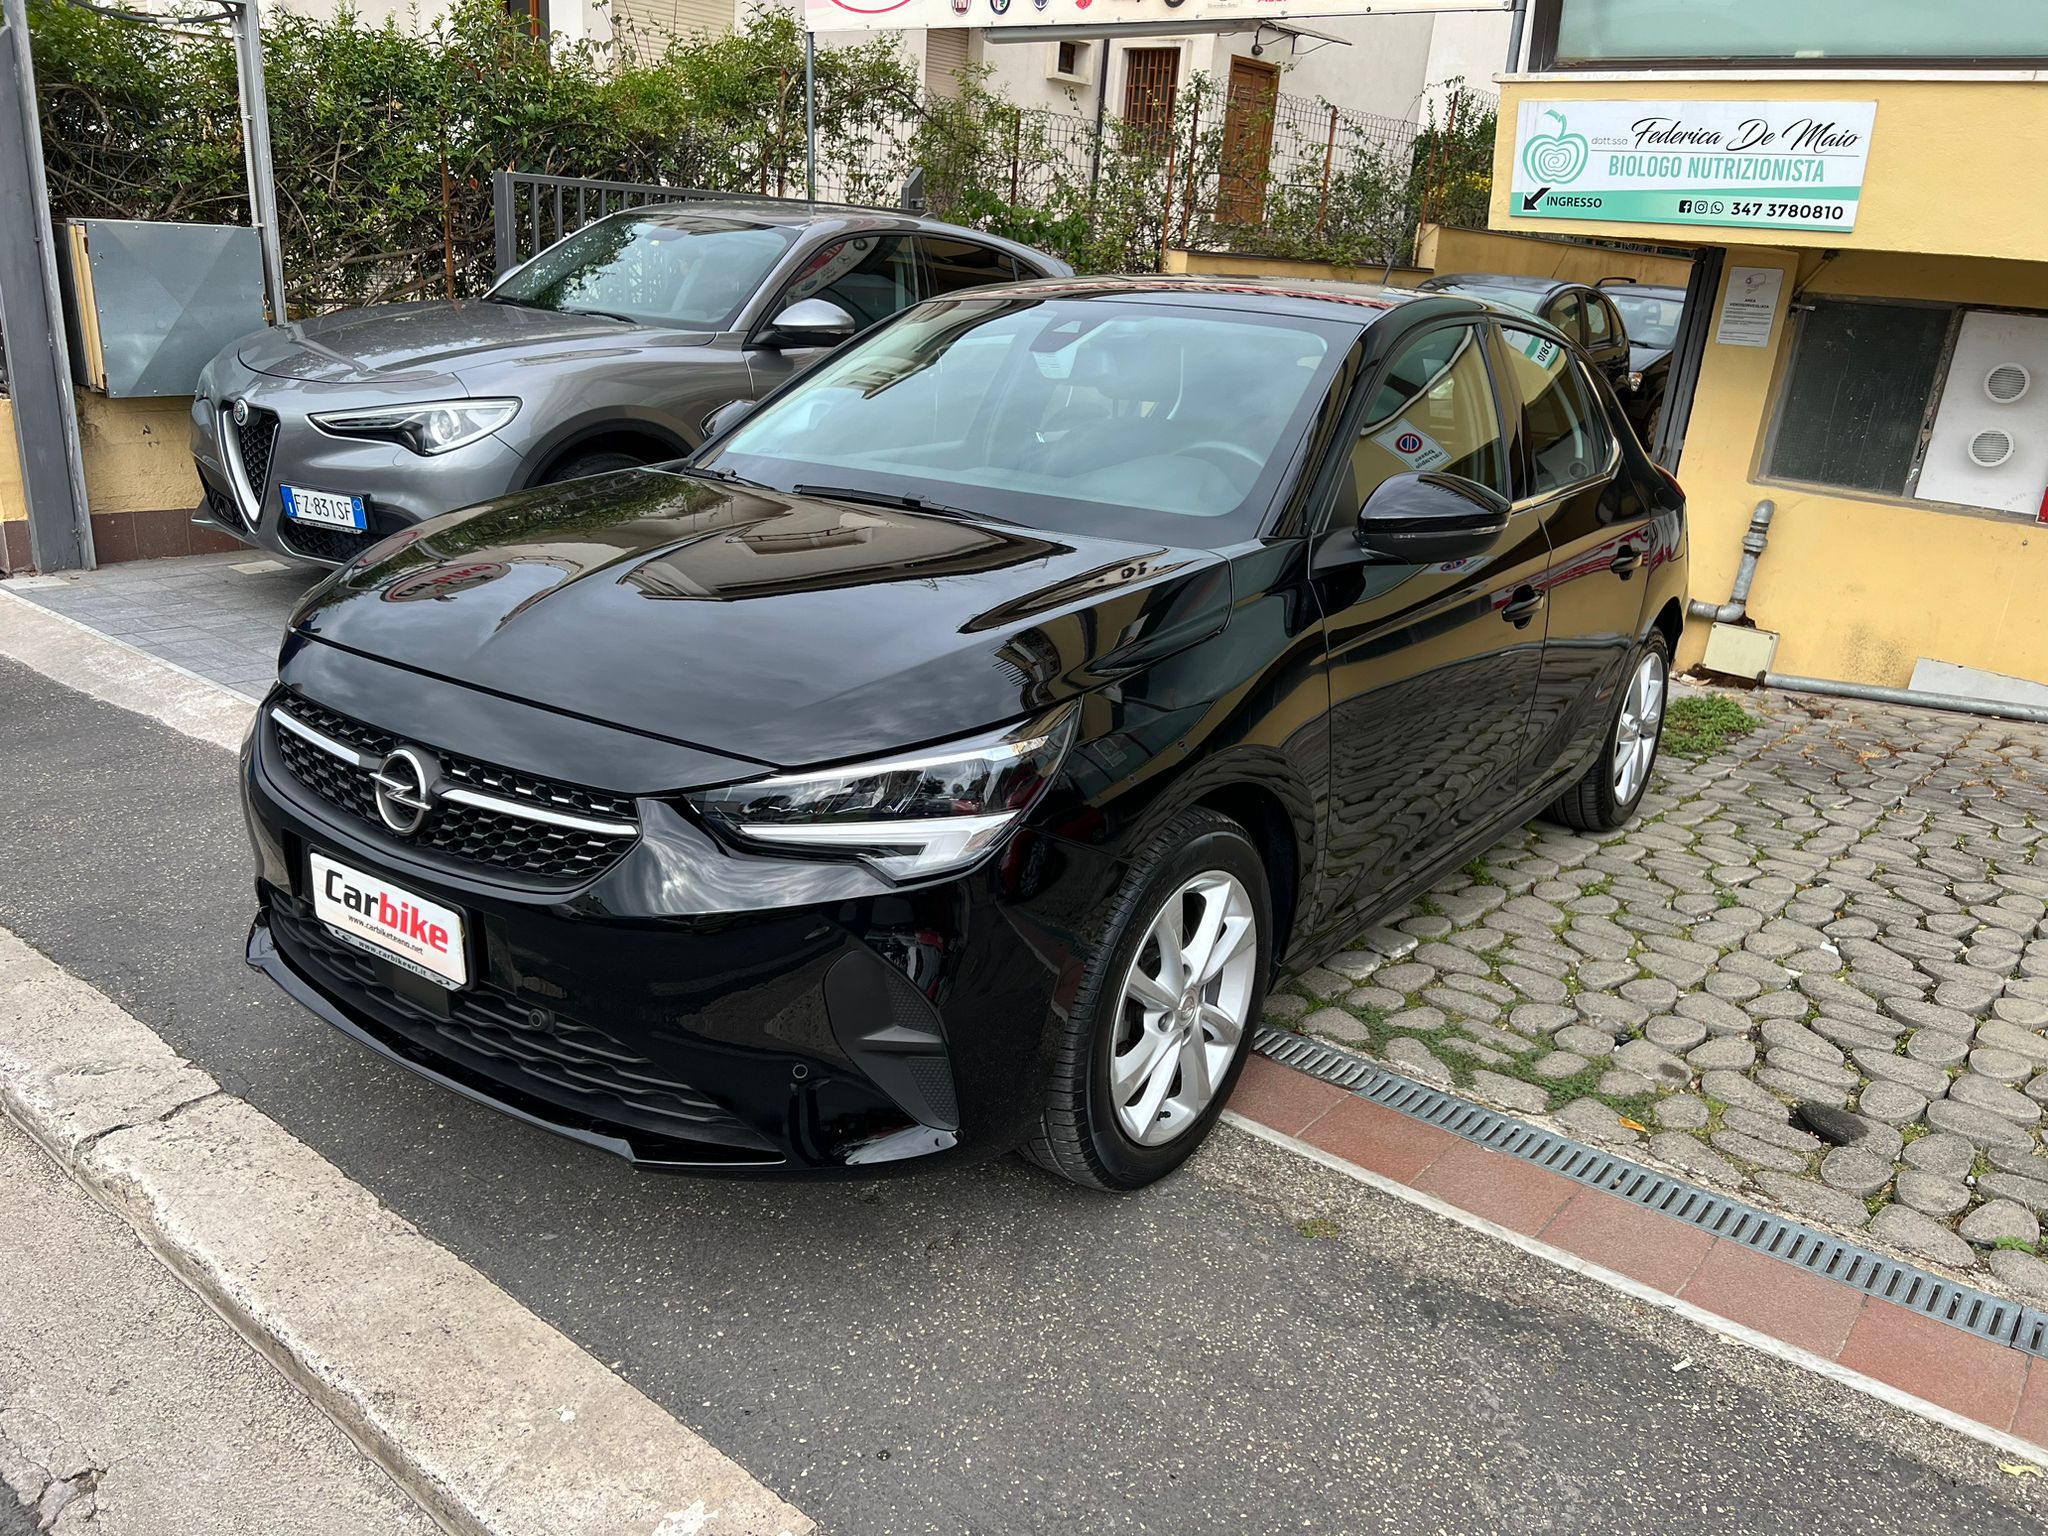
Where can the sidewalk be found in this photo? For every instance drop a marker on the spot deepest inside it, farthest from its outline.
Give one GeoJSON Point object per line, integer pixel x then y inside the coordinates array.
{"type": "Point", "coordinates": [127, 1408]}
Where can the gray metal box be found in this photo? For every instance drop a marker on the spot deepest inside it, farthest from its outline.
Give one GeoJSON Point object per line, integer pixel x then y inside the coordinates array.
{"type": "Point", "coordinates": [148, 305]}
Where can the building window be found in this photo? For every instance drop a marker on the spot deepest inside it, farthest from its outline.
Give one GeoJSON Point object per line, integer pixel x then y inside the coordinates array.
{"type": "Point", "coordinates": [530, 15]}
{"type": "Point", "coordinates": [1857, 394]}
{"type": "Point", "coordinates": [1596, 34]}
{"type": "Point", "coordinates": [1927, 401]}
{"type": "Point", "coordinates": [1070, 61]}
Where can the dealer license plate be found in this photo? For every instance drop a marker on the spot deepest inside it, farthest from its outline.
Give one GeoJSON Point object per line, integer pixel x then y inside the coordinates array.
{"type": "Point", "coordinates": [387, 920]}
{"type": "Point", "coordinates": [325, 508]}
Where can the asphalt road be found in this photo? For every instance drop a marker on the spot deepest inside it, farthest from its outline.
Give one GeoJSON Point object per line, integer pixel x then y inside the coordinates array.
{"type": "Point", "coordinates": [986, 1350]}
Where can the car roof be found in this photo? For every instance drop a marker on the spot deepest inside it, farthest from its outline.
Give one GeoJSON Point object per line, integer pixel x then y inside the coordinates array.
{"type": "Point", "coordinates": [1518, 281]}
{"type": "Point", "coordinates": [1325, 298]}
{"type": "Point", "coordinates": [833, 218]}
{"type": "Point", "coordinates": [1648, 290]}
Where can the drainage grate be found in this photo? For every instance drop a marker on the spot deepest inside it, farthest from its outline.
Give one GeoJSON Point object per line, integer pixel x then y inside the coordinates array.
{"type": "Point", "coordinates": [1735, 1221]}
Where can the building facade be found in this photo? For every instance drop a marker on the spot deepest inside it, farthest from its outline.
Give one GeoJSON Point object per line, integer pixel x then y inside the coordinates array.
{"type": "Point", "coordinates": [1866, 337]}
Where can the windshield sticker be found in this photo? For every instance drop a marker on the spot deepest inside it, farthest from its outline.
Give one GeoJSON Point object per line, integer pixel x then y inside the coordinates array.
{"type": "Point", "coordinates": [1538, 349]}
{"type": "Point", "coordinates": [1418, 450]}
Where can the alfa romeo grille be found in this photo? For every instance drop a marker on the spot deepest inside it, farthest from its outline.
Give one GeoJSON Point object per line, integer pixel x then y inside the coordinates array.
{"type": "Point", "coordinates": [480, 813]}
{"type": "Point", "coordinates": [334, 545]}
{"type": "Point", "coordinates": [256, 440]}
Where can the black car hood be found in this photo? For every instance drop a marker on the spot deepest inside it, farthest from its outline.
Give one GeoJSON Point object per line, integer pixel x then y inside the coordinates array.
{"type": "Point", "coordinates": [1641, 359]}
{"type": "Point", "coordinates": [780, 629]}
{"type": "Point", "coordinates": [396, 343]}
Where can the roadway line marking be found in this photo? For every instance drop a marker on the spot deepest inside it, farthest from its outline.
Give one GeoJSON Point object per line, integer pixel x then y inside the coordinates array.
{"type": "Point", "coordinates": [492, 1419]}
{"type": "Point", "coordinates": [1692, 1312]}
{"type": "Point", "coordinates": [75, 654]}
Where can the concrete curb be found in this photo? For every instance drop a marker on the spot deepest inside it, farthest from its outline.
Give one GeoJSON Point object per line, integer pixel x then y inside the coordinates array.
{"type": "Point", "coordinates": [120, 674]}
{"type": "Point", "coordinates": [495, 1422]}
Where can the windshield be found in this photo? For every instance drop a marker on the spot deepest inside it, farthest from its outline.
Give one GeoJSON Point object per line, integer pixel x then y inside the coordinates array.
{"type": "Point", "coordinates": [1649, 320]}
{"type": "Point", "coordinates": [1126, 418]}
{"type": "Point", "coordinates": [689, 271]}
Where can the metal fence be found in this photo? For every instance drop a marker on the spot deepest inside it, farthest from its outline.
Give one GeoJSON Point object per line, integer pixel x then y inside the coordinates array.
{"type": "Point", "coordinates": [1316, 174]}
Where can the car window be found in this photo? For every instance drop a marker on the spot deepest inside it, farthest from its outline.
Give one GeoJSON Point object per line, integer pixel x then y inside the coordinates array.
{"type": "Point", "coordinates": [1433, 409]}
{"type": "Point", "coordinates": [871, 277]}
{"type": "Point", "coordinates": [692, 271]}
{"type": "Point", "coordinates": [1650, 320]}
{"type": "Point", "coordinates": [1131, 419]}
{"type": "Point", "coordinates": [950, 265]}
{"type": "Point", "coordinates": [1600, 327]}
{"type": "Point", "coordinates": [1561, 424]}
{"type": "Point", "coordinates": [1568, 316]}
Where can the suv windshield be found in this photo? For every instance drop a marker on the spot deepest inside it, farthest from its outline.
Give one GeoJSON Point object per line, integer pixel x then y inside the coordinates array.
{"type": "Point", "coordinates": [690, 271]}
{"type": "Point", "coordinates": [1651, 321]}
{"type": "Point", "coordinates": [1128, 418]}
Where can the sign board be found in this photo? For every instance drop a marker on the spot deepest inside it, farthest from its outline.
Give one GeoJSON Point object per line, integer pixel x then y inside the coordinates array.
{"type": "Point", "coordinates": [1732, 164]}
{"type": "Point", "coordinates": [1750, 306]}
{"type": "Point", "coordinates": [901, 15]}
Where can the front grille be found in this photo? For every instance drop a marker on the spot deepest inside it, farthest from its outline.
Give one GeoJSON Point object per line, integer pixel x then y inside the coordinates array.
{"type": "Point", "coordinates": [222, 509]}
{"type": "Point", "coordinates": [528, 844]}
{"type": "Point", "coordinates": [337, 546]}
{"type": "Point", "coordinates": [256, 441]}
{"type": "Point", "coordinates": [529, 1050]}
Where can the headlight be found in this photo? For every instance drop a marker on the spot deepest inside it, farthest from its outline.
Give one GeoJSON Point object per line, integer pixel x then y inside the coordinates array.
{"type": "Point", "coordinates": [432, 428]}
{"type": "Point", "coordinates": [910, 817]}
{"type": "Point", "coordinates": [1635, 381]}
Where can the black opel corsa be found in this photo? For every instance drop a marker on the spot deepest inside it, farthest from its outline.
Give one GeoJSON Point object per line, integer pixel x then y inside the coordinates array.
{"type": "Point", "coordinates": [943, 759]}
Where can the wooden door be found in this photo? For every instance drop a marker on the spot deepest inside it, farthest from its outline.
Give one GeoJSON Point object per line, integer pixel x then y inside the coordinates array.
{"type": "Point", "coordinates": [1247, 140]}
{"type": "Point", "coordinates": [1151, 75]}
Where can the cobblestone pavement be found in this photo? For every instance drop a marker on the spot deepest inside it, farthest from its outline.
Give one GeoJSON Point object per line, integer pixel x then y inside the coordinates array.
{"type": "Point", "coordinates": [1833, 924]}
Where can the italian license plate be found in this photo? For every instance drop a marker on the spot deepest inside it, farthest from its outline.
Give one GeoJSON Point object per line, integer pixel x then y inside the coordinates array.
{"type": "Point", "coordinates": [325, 508]}
{"type": "Point", "coordinates": [391, 922]}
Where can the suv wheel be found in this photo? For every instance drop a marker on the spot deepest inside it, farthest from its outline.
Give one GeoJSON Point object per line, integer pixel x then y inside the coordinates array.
{"type": "Point", "coordinates": [1158, 1032]}
{"type": "Point", "coordinates": [584, 465]}
{"type": "Point", "coordinates": [1608, 795]}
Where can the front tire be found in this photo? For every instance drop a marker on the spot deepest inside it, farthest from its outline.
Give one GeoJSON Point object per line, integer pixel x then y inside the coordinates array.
{"type": "Point", "coordinates": [1160, 1026]}
{"type": "Point", "coordinates": [584, 465]}
{"type": "Point", "coordinates": [1612, 788]}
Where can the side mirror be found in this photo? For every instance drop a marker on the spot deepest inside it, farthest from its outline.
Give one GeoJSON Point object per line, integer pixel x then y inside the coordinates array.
{"type": "Point", "coordinates": [1426, 519]}
{"type": "Point", "coordinates": [808, 323]}
{"type": "Point", "coordinates": [726, 417]}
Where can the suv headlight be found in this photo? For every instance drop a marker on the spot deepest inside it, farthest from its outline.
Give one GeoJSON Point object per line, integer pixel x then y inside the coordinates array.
{"type": "Point", "coordinates": [436, 427]}
{"type": "Point", "coordinates": [910, 817]}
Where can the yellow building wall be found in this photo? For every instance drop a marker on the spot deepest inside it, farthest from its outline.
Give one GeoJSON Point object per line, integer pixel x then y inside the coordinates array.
{"type": "Point", "coordinates": [1954, 164]}
{"type": "Point", "coordinates": [1859, 588]}
{"type": "Point", "coordinates": [13, 503]}
{"type": "Point", "coordinates": [1484, 250]}
{"type": "Point", "coordinates": [137, 453]}
{"type": "Point", "coordinates": [1223, 264]}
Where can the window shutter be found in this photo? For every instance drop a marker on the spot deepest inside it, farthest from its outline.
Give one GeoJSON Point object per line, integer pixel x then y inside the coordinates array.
{"type": "Point", "coordinates": [945, 56]}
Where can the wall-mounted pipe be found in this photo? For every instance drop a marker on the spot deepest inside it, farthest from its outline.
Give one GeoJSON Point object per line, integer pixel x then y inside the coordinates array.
{"type": "Point", "coordinates": [1959, 703]}
{"type": "Point", "coordinates": [1753, 542]}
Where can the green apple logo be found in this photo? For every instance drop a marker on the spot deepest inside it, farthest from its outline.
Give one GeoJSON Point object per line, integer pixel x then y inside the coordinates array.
{"type": "Point", "coordinates": [1555, 158]}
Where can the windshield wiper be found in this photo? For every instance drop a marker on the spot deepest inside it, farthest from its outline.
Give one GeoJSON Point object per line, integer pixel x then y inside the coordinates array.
{"type": "Point", "coordinates": [722, 476]}
{"type": "Point", "coordinates": [602, 314]}
{"type": "Point", "coordinates": [902, 502]}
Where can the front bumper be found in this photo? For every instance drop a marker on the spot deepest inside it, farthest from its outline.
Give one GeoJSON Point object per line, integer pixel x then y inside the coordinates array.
{"type": "Point", "coordinates": [398, 487]}
{"type": "Point", "coordinates": [692, 1008]}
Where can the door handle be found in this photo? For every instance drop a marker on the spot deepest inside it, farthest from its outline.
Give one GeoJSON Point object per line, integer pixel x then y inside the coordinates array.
{"type": "Point", "coordinates": [1626, 562]}
{"type": "Point", "coordinates": [1522, 607]}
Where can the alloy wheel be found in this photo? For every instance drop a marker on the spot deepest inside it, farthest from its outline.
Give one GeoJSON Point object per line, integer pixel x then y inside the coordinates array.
{"type": "Point", "coordinates": [1184, 1007]}
{"type": "Point", "coordinates": [1635, 730]}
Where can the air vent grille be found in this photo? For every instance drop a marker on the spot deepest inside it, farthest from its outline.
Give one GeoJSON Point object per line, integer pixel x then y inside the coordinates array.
{"type": "Point", "coordinates": [2008, 382]}
{"type": "Point", "coordinates": [1990, 448]}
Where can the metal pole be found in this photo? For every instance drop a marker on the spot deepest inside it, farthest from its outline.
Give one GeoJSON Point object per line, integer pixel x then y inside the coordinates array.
{"type": "Point", "coordinates": [248, 28]}
{"type": "Point", "coordinates": [1515, 36]}
{"type": "Point", "coordinates": [1101, 112]}
{"type": "Point", "coordinates": [810, 113]}
{"type": "Point", "coordinates": [32, 320]}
